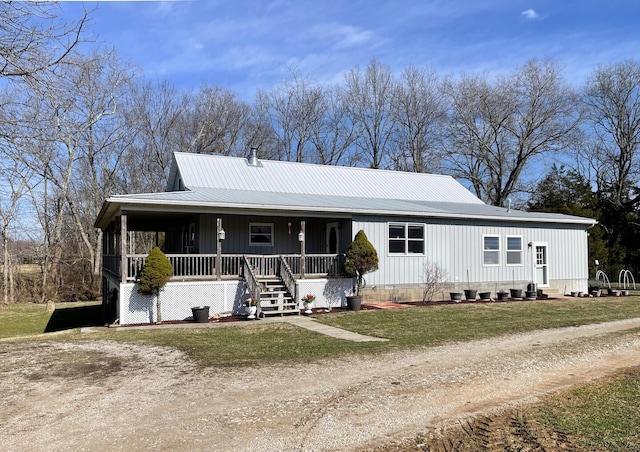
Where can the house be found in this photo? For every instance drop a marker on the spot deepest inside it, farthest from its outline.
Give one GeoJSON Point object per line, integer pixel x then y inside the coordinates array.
{"type": "Point", "coordinates": [239, 227]}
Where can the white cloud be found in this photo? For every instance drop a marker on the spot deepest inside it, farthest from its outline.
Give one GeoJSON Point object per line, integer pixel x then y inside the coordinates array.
{"type": "Point", "coordinates": [530, 14]}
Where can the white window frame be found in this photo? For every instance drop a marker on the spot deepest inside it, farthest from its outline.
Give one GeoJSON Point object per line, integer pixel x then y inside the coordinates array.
{"type": "Point", "coordinates": [269, 234]}
{"type": "Point", "coordinates": [485, 250]}
{"type": "Point", "coordinates": [406, 239]}
{"type": "Point", "coordinates": [510, 251]}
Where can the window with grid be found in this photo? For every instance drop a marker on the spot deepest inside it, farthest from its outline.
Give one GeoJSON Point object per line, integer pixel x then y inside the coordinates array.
{"type": "Point", "coordinates": [491, 250]}
{"type": "Point", "coordinates": [406, 238]}
{"type": "Point", "coordinates": [514, 250]}
{"type": "Point", "coordinates": [261, 234]}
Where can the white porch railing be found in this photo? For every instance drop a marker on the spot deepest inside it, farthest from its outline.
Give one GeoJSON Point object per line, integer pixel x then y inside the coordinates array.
{"type": "Point", "coordinates": [203, 266]}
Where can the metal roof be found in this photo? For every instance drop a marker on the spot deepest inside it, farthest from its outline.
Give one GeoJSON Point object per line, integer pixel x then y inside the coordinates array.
{"type": "Point", "coordinates": [234, 173]}
{"type": "Point", "coordinates": [229, 183]}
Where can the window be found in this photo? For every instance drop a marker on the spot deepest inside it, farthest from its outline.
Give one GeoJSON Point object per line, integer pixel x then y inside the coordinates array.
{"type": "Point", "coordinates": [406, 238]}
{"type": "Point", "coordinates": [491, 248]}
{"type": "Point", "coordinates": [514, 250]}
{"type": "Point", "coordinates": [260, 234]}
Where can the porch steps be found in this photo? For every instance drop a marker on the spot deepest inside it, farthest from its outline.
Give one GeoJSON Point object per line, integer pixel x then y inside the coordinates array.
{"type": "Point", "coordinates": [275, 299]}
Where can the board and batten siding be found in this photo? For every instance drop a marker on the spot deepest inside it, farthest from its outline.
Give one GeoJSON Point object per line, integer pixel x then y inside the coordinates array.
{"type": "Point", "coordinates": [285, 240]}
{"type": "Point", "coordinates": [457, 246]}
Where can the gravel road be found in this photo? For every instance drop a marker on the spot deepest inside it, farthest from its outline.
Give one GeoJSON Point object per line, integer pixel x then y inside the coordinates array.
{"type": "Point", "coordinates": [101, 395]}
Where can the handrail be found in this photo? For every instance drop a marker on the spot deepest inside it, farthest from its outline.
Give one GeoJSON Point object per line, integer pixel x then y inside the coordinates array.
{"type": "Point", "coordinates": [252, 281]}
{"type": "Point", "coordinates": [288, 278]}
{"type": "Point", "coordinates": [623, 279]}
{"type": "Point", "coordinates": [605, 278]}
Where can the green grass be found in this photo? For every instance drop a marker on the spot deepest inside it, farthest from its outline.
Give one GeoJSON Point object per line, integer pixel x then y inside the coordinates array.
{"type": "Point", "coordinates": [433, 325]}
{"type": "Point", "coordinates": [405, 328]}
{"type": "Point", "coordinates": [604, 415]}
{"type": "Point", "coordinates": [28, 319]}
{"type": "Point", "coordinates": [412, 327]}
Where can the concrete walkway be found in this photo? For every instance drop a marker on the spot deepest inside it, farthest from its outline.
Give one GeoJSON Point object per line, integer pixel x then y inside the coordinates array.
{"type": "Point", "coordinates": [310, 324]}
{"type": "Point", "coordinates": [300, 321]}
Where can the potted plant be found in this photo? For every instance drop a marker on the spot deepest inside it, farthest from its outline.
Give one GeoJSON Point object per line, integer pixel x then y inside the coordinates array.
{"type": "Point", "coordinates": [154, 275]}
{"type": "Point", "coordinates": [455, 296]}
{"type": "Point", "coordinates": [361, 258]}
{"type": "Point", "coordinates": [252, 308]}
{"type": "Point", "coordinates": [469, 294]}
{"type": "Point", "coordinates": [516, 294]}
{"type": "Point", "coordinates": [502, 295]}
{"type": "Point", "coordinates": [307, 301]}
{"type": "Point", "coordinates": [485, 296]}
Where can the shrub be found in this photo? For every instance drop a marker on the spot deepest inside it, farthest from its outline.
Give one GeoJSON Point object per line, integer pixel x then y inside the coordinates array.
{"type": "Point", "coordinates": [154, 276]}
{"type": "Point", "coordinates": [361, 258]}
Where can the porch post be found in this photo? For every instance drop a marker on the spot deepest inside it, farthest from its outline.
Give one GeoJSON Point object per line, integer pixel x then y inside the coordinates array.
{"type": "Point", "coordinates": [302, 247]}
{"type": "Point", "coordinates": [218, 249]}
{"type": "Point", "coordinates": [123, 248]}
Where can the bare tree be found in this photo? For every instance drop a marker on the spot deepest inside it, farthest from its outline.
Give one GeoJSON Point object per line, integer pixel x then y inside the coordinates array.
{"type": "Point", "coordinates": [368, 97]}
{"type": "Point", "coordinates": [419, 110]}
{"type": "Point", "coordinates": [496, 131]}
{"type": "Point", "coordinates": [334, 134]}
{"type": "Point", "coordinates": [294, 108]}
{"type": "Point", "coordinates": [612, 97]}
{"type": "Point", "coordinates": [74, 155]}
{"type": "Point", "coordinates": [12, 190]}
{"type": "Point", "coordinates": [216, 123]}
{"type": "Point", "coordinates": [33, 39]}
{"type": "Point", "coordinates": [155, 112]}
{"type": "Point", "coordinates": [433, 279]}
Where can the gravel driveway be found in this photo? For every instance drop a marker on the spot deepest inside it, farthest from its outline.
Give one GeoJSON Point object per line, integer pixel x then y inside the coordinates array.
{"type": "Point", "coordinates": [109, 396]}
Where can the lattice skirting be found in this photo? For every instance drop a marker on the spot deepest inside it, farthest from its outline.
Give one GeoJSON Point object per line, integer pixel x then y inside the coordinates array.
{"type": "Point", "coordinates": [178, 298]}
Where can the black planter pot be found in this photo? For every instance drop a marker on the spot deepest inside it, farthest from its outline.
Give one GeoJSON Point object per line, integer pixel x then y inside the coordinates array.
{"type": "Point", "coordinates": [470, 294]}
{"type": "Point", "coordinates": [516, 293]}
{"type": "Point", "coordinates": [502, 296]}
{"type": "Point", "coordinates": [200, 314]}
{"type": "Point", "coordinates": [455, 296]}
{"type": "Point", "coordinates": [531, 294]}
{"type": "Point", "coordinates": [485, 296]}
{"type": "Point", "coordinates": [354, 302]}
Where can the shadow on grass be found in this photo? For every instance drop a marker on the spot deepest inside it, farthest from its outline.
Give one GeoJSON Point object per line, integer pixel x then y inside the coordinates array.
{"type": "Point", "coordinates": [75, 317]}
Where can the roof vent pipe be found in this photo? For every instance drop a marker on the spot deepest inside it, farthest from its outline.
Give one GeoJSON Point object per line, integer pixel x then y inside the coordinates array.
{"type": "Point", "coordinates": [508, 204]}
{"type": "Point", "coordinates": [253, 158]}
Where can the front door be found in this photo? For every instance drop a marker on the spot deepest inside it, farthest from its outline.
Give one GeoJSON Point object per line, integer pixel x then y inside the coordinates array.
{"type": "Point", "coordinates": [333, 238]}
{"type": "Point", "coordinates": [542, 266]}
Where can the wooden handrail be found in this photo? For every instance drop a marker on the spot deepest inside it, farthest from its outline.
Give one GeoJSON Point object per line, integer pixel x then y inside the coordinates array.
{"type": "Point", "coordinates": [252, 281]}
{"type": "Point", "coordinates": [288, 278]}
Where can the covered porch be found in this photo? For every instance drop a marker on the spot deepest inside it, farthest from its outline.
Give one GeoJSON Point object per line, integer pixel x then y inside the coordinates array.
{"type": "Point", "coordinates": [271, 259]}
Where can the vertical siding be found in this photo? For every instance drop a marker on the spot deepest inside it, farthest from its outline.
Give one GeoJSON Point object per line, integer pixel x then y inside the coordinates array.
{"type": "Point", "coordinates": [284, 242]}
{"type": "Point", "coordinates": [458, 248]}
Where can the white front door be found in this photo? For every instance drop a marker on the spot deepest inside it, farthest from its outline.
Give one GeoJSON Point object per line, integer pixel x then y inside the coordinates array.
{"type": "Point", "coordinates": [333, 238]}
{"type": "Point", "coordinates": [542, 266]}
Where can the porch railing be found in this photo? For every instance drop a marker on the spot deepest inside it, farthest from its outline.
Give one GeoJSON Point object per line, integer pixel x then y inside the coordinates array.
{"type": "Point", "coordinates": [287, 276]}
{"type": "Point", "coordinates": [203, 266]}
{"type": "Point", "coordinates": [252, 281]}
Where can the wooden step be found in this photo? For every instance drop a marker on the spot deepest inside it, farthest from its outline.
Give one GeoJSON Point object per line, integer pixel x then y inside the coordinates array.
{"type": "Point", "coordinates": [280, 312]}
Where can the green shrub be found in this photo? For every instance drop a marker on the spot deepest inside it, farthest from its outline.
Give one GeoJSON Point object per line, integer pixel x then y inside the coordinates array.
{"type": "Point", "coordinates": [361, 258]}
{"type": "Point", "coordinates": [154, 276]}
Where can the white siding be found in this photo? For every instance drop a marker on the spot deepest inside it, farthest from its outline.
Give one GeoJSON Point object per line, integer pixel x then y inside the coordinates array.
{"type": "Point", "coordinates": [458, 248]}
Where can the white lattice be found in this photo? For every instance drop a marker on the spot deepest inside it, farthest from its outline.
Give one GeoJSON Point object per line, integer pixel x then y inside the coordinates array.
{"type": "Point", "coordinates": [178, 298]}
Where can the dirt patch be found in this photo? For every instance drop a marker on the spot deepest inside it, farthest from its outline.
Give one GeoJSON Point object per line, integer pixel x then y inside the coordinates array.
{"type": "Point", "coordinates": [109, 396]}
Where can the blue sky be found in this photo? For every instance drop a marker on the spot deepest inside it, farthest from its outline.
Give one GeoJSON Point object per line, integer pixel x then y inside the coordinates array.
{"type": "Point", "coordinates": [244, 45]}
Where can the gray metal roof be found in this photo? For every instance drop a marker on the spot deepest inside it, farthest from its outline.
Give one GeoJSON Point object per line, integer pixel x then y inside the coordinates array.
{"type": "Point", "coordinates": [234, 173]}
{"type": "Point", "coordinates": [216, 183]}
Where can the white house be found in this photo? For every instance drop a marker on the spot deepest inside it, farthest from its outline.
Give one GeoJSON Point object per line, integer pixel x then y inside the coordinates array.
{"type": "Point", "coordinates": [236, 227]}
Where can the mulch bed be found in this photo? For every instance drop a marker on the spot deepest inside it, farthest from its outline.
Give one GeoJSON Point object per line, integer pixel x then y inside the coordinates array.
{"type": "Point", "coordinates": [365, 307]}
